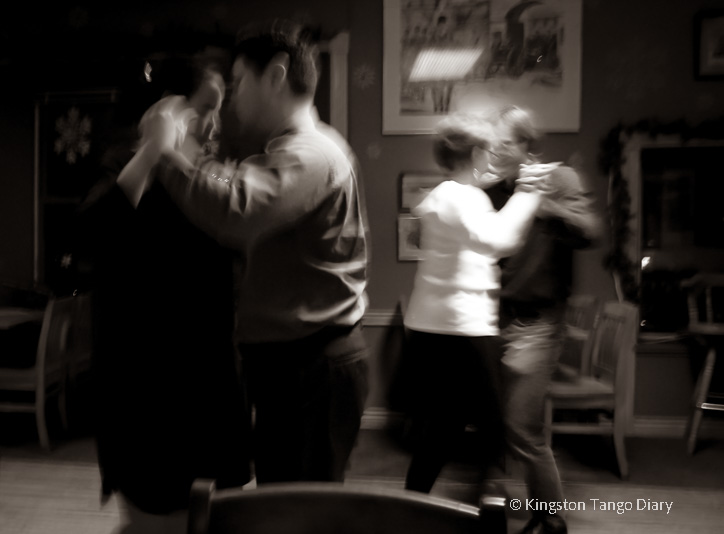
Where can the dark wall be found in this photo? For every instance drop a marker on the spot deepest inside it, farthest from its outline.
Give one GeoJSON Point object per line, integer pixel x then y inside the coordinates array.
{"type": "Point", "coordinates": [637, 62]}
{"type": "Point", "coordinates": [16, 191]}
{"type": "Point", "coordinates": [70, 46]}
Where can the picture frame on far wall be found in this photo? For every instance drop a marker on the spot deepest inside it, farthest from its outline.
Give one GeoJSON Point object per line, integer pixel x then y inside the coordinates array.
{"type": "Point", "coordinates": [408, 237]}
{"type": "Point", "coordinates": [414, 186]}
{"type": "Point", "coordinates": [476, 55]}
{"type": "Point", "coordinates": [709, 45]}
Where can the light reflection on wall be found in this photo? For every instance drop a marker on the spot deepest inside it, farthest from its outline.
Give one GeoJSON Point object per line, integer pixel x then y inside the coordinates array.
{"type": "Point", "coordinates": [444, 64]}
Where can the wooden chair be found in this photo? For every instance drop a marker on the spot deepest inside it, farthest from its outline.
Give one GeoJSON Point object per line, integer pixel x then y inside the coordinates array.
{"type": "Point", "coordinates": [46, 377]}
{"type": "Point", "coordinates": [580, 319]}
{"type": "Point", "coordinates": [332, 508]}
{"type": "Point", "coordinates": [609, 387]}
{"type": "Point", "coordinates": [706, 323]}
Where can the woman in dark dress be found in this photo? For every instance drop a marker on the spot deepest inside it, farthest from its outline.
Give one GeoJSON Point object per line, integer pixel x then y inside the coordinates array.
{"type": "Point", "coordinates": [170, 407]}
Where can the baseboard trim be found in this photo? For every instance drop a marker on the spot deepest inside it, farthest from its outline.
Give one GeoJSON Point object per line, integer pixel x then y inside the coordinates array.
{"type": "Point", "coordinates": [380, 419]}
{"type": "Point", "coordinates": [381, 317]}
{"type": "Point", "coordinates": [674, 427]}
{"type": "Point", "coordinates": [643, 427]}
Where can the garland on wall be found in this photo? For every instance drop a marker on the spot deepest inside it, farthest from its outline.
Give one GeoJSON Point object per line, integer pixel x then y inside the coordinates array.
{"type": "Point", "coordinates": [621, 266]}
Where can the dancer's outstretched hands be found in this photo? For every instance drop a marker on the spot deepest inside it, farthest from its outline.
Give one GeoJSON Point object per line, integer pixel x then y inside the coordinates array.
{"type": "Point", "coordinates": [535, 177]}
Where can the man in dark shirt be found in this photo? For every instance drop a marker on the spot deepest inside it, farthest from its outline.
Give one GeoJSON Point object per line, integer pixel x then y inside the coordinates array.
{"type": "Point", "coordinates": [536, 282]}
{"type": "Point", "coordinates": [295, 216]}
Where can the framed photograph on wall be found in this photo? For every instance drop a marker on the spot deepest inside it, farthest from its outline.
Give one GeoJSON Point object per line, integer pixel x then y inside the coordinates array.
{"type": "Point", "coordinates": [414, 186]}
{"type": "Point", "coordinates": [709, 45]}
{"type": "Point", "coordinates": [475, 55]}
{"type": "Point", "coordinates": [408, 237]}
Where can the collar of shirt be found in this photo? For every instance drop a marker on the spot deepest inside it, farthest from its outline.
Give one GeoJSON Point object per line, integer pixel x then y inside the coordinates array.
{"type": "Point", "coordinates": [300, 120]}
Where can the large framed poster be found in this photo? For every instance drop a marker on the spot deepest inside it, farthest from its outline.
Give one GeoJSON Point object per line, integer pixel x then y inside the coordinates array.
{"type": "Point", "coordinates": [475, 55]}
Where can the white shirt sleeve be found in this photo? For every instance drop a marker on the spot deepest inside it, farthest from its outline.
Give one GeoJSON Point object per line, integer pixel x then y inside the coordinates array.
{"type": "Point", "coordinates": [500, 233]}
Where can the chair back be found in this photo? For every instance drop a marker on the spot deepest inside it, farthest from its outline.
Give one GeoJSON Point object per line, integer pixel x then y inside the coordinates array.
{"type": "Point", "coordinates": [51, 361]}
{"type": "Point", "coordinates": [580, 319]}
{"type": "Point", "coordinates": [614, 344]}
{"type": "Point", "coordinates": [55, 332]}
{"type": "Point", "coordinates": [331, 508]}
{"type": "Point", "coordinates": [705, 302]}
{"type": "Point", "coordinates": [581, 311]}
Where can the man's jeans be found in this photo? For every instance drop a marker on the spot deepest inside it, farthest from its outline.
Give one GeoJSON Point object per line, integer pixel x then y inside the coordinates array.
{"type": "Point", "coordinates": [531, 354]}
{"type": "Point", "coordinates": [308, 396]}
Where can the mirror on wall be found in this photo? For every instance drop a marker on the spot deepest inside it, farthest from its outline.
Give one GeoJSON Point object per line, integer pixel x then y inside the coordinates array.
{"type": "Point", "coordinates": [677, 220]}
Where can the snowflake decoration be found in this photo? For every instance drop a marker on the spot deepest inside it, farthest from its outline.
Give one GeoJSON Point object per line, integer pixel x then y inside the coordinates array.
{"type": "Point", "coordinates": [73, 135]}
{"type": "Point", "coordinates": [374, 151]}
{"type": "Point", "coordinates": [363, 77]}
{"type": "Point", "coordinates": [66, 261]}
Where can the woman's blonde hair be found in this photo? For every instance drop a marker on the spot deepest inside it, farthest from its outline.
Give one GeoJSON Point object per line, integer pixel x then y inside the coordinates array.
{"type": "Point", "coordinates": [456, 136]}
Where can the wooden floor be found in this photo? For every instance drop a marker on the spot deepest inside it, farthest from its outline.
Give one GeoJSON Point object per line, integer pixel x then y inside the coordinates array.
{"type": "Point", "coordinates": [62, 498]}
{"type": "Point", "coordinates": [660, 472]}
{"type": "Point", "coordinates": [59, 492]}
{"type": "Point", "coordinates": [53, 497]}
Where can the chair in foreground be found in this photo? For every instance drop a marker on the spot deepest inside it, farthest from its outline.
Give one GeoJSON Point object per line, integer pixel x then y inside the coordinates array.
{"type": "Point", "coordinates": [332, 508]}
{"type": "Point", "coordinates": [608, 389]}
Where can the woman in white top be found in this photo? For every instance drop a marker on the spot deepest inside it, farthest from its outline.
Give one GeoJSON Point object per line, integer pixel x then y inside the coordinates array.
{"type": "Point", "coordinates": [452, 318]}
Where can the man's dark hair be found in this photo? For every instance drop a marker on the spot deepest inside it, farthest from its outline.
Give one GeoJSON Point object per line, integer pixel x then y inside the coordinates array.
{"type": "Point", "coordinates": [521, 123]}
{"type": "Point", "coordinates": [259, 44]}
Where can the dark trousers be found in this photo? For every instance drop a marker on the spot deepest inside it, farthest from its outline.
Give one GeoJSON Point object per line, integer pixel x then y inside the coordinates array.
{"type": "Point", "coordinates": [454, 382]}
{"type": "Point", "coordinates": [308, 397]}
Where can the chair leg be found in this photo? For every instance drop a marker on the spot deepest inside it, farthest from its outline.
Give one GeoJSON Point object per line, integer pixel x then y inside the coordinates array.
{"type": "Point", "coordinates": [701, 391]}
{"type": "Point", "coordinates": [40, 421]}
{"type": "Point", "coordinates": [63, 406]}
{"type": "Point", "coordinates": [619, 445]}
{"type": "Point", "coordinates": [693, 430]}
{"type": "Point", "coordinates": [548, 420]}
